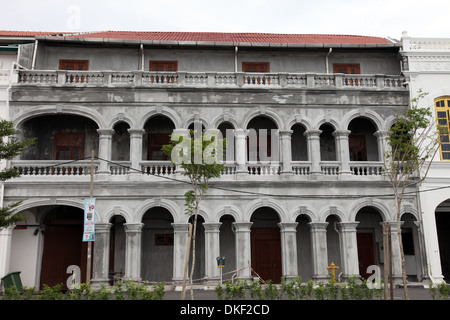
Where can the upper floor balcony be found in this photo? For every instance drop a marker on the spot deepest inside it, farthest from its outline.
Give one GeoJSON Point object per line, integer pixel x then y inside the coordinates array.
{"type": "Point", "coordinates": [146, 79]}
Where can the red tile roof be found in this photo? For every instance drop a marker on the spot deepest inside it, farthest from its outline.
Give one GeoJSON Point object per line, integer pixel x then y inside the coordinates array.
{"type": "Point", "coordinates": [235, 37]}
{"type": "Point", "coordinates": [4, 33]}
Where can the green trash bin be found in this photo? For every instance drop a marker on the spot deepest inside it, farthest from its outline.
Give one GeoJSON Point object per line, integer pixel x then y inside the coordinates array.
{"type": "Point", "coordinates": [13, 280]}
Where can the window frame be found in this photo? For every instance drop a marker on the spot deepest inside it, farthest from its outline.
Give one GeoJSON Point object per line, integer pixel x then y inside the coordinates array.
{"type": "Point", "coordinates": [348, 66]}
{"type": "Point", "coordinates": [442, 111]}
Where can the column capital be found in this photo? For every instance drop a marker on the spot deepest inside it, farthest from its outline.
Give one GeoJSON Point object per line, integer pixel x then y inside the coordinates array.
{"type": "Point", "coordinates": [242, 226]}
{"type": "Point", "coordinates": [103, 227]}
{"type": "Point", "coordinates": [286, 133]}
{"type": "Point", "coordinates": [348, 226]}
{"type": "Point", "coordinates": [106, 132]}
{"type": "Point", "coordinates": [136, 132]}
{"type": "Point", "coordinates": [180, 227]}
{"type": "Point", "coordinates": [312, 133]}
{"type": "Point", "coordinates": [318, 226]}
{"type": "Point", "coordinates": [341, 133]}
{"type": "Point", "coordinates": [288, 226]}
{"type": "Point", "coordinates": [133, 227]}
{"type": "Point", "coordinates": [212, 226]}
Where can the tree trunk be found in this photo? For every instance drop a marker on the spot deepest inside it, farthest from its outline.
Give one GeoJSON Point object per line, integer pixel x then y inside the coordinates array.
{"type": "Point", "coordinates": [194, 233]}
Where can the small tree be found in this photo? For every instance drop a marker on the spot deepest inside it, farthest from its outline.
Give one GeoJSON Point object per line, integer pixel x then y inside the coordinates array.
{"type": "Point", "coordinates": [200, 159]}
{"type": "Point", "coordinates": [413, 141]}
{"type": "Point", "coordinates": [10, 147]}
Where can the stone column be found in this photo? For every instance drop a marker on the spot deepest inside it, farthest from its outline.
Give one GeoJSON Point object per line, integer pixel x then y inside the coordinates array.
{"type": "Point", "coordinates": [136, 149]}
{"type": "Point", "coordinates": [212, 250]}
{"type": "Point", "coordinates": [343, 151]}
{"type": "Point", "coordinates": [243, 249]}
{"type": "Point", "coordinates": [289, 249]}
{"type": "Point", "coordinates": [349, 249]}
{"type": "Point", "coordinates": [396, 255]}
{"type": "Point", "coordinates": [381, 140]}
{"type": "Point", "coordinates": [319, 250]}
{"type": "Point", "coordinates": [101, 253]}
{"type": "Point", "coordinates": [241, 151]}
{"type": "Point", "coordinates": [133, 247]}
{"type": "Point", "coordinates": [286, 156]}
{"type": "Point", "coordinates": [180, 231]}
{"type": "Point", "coordinates": [313, 140]}
{"type": "Point", "coordinates": [5, 249]}
{"type": "Point", "coordinates": [104, 149]}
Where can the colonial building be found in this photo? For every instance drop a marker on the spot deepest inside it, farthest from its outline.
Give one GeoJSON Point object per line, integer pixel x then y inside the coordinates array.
{"type": "Point", "coordinates": [310, 193]}
{"type": "Point", "coordinates": [427, 65]}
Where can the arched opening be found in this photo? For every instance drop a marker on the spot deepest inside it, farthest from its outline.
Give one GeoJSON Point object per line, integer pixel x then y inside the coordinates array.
{"type": "Point", "coordinates": [369, 236]}
{"type": "Point", "coordinates": [304, 253]}
{"type": "Point", "coordinates": [158, 130]}
{"type": "Point", "coordinates": [227, 130]}
{"type": "Point", "coordinates": [363, 145]}
{"type": "Point", "coordinates": [157, 245]}
{"type": "Point", "coordinates": [262, 143]}
{"type": "Point", "coordinates": [266, 244]}
{"type": "Point", "coordinates": [60, 137]}
{"type": "Point", "coordinates": [327, 143]}
{"type": "Point", "coordinates": [333, 241]}
{"type": "Point", "coordinates": [299, 145]}
{"type": "Point", "coordinates": [120, 149]}
{"type": "Point", "coordinates": [228, 245]}
{"type": "Point", "coordinates": [199, 266]}
{"type": "Point", "coordinates": [117, 248]}
{"type": "Point", "coordinates": [442, 215]}
{"type": "Point", "coordinates": [411, 247]}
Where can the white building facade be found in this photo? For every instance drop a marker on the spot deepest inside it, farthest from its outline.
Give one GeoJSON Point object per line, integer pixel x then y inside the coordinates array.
{"type": "Point", "coordinates": [319, 197]}
{"type": "Point", "coordinates": [427, 64]}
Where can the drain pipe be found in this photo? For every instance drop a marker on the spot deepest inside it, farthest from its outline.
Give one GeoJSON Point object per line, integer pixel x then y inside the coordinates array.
{"type": "Point", "coordinates": [142, 57]}
{"type": "Point", "coordinates": [236, 59]}
{"type": "Point", "coordinates": [34, 54]}
{"type": "Point", "coordinates": [326, 59]}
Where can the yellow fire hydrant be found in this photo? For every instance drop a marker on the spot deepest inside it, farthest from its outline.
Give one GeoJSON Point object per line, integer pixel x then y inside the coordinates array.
{"type": "Point", "coordinates": [332, 267]}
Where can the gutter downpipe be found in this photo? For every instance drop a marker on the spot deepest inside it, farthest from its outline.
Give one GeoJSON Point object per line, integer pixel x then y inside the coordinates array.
{"type": "Point", "coordinates": [235, 59]}
{"type": "Point", "coordinates": [142, 57]}
{"type": "Point", "coordinates": [34, 54]}
{"type": "Point", "coordinates": [326, 59]}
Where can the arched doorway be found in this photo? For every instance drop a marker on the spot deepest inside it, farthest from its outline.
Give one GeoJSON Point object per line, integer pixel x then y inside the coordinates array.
{"type": "Point", "coordinates": [117, 248]}
{"type": "Point", "coordinates": [157, 245]}
{"type": "Point", "coordinates": [262, 144]}
{"type": "Point", "coordinates": [158, 129]}
{"type": "Point", "coordinates": [442, 215]}
{"type": "Point", "coordinates": [266, 244]}
{"type": "Point", "coordinates": [363, 145]}
{"type": "Point", "coordinates": [63, 245]}
{"type": "Point", "coordinates": [304, 252]}
{"type": "Point", "coordinates": [327, 143]}
{"type": "Point", "coordinates": [120, 147]}
{"type": "Point", "coordinates": [299, 145]}
{"type": "Point", "coordinates": [369, 237]}
{"type": "Point", "coordinates": [228, 245]}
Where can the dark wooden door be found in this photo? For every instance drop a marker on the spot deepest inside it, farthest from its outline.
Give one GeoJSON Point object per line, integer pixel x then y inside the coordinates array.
{"type": "Point", "coordinates": [357, 146]}
{"type": "Point", "coordinates": [63, 247]}
{"type": "Point", "coordinates": [366, 253]}
{"type": "Point", "coordinates": [266, 253]}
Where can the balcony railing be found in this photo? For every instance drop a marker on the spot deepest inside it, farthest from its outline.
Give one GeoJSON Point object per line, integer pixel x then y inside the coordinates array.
{"type": "Point", "coordinates": [207, 79]}
{"type": "Point", "coordinates": [300, 169]}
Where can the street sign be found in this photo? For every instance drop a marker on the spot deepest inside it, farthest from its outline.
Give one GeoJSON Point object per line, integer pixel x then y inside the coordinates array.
{"type": "Point", "coordinates": [89, 220]}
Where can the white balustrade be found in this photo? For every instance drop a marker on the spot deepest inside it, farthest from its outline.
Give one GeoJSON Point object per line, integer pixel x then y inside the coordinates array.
{"type": "Point", "coordinates": [53, 167]}
{"type": "Point", "coordinates": [208, 79]}
{"type": "Point", "coordinates": [158, 168]}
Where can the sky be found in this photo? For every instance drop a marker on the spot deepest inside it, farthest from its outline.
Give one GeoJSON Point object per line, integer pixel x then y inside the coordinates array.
{"type": "Point", "coordinates": [384, 18]}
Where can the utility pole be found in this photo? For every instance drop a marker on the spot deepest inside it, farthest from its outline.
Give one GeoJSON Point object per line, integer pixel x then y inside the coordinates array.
{"type": "Point", "coordinates": [89, 249]}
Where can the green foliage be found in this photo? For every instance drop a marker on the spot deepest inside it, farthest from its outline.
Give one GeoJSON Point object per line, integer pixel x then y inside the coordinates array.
{"type": "Point", "coordinates": [127, 290]}
{"type": "Point", "coordinates": [10, 147]}
{"type": "Point", "coordinates": [295, 289]}
{"type": "Point", "coordinates": [412, 141]}
{"type": "Point", "coordinates": [200, 158]}
{"type": "Point", "coordinates": [439, 291]}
